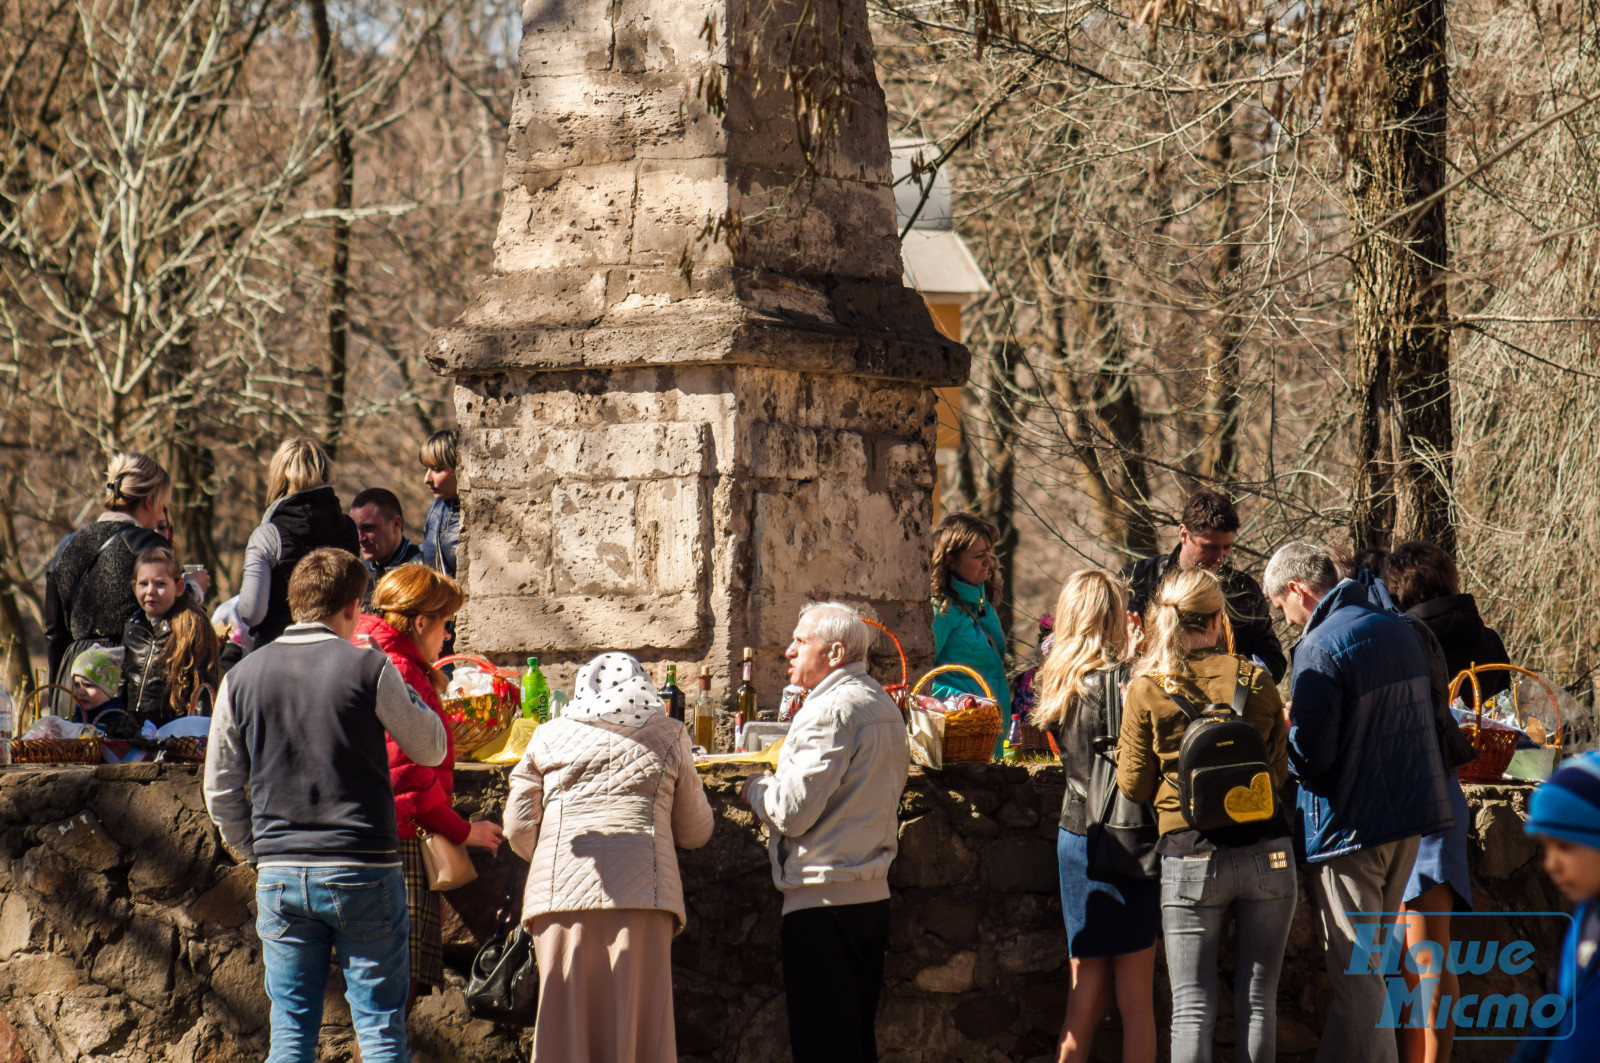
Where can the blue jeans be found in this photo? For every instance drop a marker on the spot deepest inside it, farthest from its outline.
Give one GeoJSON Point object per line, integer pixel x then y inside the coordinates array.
{"type": "Point", "coordinates": [1257, 882]}
{"type": "Point", "coordinates": [303, 915]}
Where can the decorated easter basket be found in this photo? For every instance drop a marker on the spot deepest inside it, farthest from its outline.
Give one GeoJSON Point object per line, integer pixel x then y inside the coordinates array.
{"type": "Point", "coordinates": [481, 718]}
{"type": "Point", "coordinates": [970, 732]}
{"type": "Point", "coordinates": [1496, 747]}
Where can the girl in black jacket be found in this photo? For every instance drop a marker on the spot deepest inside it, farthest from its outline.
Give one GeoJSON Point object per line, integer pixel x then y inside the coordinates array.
{"type": "Point", "coordinates": [171, 650]}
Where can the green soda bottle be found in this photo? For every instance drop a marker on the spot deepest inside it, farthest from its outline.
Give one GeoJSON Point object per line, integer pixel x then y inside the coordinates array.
{"type": "Point", "coordinates": [535, 693]}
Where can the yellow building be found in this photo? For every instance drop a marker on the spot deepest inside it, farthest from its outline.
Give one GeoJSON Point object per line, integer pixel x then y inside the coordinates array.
{"type": "Point", "coordinates": [938, 265]}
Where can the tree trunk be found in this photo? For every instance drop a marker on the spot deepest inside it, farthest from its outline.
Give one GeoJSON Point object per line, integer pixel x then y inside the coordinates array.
{"type": "Point", "coordinates": [194, 507]}
{"type": "Point", "coordinates": [1101, 415]}
{"type": "Point", "coordinates": [336, 376]}
{"type": "Point", "coordinates": [1219, 455]}
{"type": "Point", "coordinates": [999, 398]}
{"type": "Point", "coordinates": [1403, 440]}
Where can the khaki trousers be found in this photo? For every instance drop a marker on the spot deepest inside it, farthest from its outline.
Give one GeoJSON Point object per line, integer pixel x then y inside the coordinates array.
{"type": "Point", "coordinates": [1350, 891]}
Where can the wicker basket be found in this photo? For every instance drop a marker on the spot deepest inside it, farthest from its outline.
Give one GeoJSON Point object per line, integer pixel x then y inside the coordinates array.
{"type": "Point", "coordinates": [976, 728]}
{"type": "Point", "coordinates": [89, 750]}
{"type": "Point", "coordinates": [31, 705]}
{"type": "Point", "coordinates": [58, 750]}
{"type": "Point", "coordinates": [1030, 739]}
{"type": "Point", "coordinates": [482, 717]}
{"type": "Point", "coordinates": [190, 749]}
{"type": "Point", "coordinates": [901, 691]}
{"type": "Point", "coordinates": [1496, 747]}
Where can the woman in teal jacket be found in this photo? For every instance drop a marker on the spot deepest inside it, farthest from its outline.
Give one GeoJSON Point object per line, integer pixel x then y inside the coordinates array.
{"type": "Point", "coordinates": [965, 627]}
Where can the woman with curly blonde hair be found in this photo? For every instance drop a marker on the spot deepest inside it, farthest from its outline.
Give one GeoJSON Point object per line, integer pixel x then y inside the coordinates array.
{"type": "Point", "coordinates": [1111, 925]}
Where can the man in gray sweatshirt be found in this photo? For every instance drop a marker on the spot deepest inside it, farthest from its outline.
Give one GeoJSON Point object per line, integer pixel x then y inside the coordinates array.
{"type": "Point", "coordinates": [297, 780]}
{"type": "Point", "coordinates": [831, 810]}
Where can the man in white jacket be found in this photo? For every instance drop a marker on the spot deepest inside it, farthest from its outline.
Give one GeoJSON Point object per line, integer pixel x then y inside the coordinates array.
{"type": "Point", "coordinates": [831, 813]}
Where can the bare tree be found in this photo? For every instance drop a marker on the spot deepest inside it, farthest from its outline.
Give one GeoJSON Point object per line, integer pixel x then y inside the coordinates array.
{"type": "Point", "coordinates": [1400, 253]}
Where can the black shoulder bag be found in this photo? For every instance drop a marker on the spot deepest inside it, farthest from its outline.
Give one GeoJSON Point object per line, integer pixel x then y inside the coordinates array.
{"type": "Point", "coordinates": [1121, 834]}
{"type": "Point", "coordinates": [504, 986]}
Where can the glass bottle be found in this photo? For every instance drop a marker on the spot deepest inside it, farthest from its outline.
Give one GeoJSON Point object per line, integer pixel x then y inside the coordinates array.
{"type": "Point", "coordinates": [705, 713]}
{"type": "Point", "coordinates": [672, 695]}
{"type": "Point", "coordinates": [745, 701]}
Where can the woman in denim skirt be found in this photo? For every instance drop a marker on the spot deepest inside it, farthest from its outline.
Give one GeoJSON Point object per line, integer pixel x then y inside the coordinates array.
{"type": "Point", "coordinates": [1247, 868]}
{"type": "Point", "coordinates": [1111, 926]}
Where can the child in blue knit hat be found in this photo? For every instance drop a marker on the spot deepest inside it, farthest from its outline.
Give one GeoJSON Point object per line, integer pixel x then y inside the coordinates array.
{"type": "Point", "coordinates": [1565, 816]}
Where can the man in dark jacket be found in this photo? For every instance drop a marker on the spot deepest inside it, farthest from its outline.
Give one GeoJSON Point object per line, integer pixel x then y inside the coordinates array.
{"type": "Point", "coordinates": [1363, 745]}
{"type": "Point", "coordinates": [382, 529]}
{"type": "Point", "coordinates": [297, 781]}
{"type": "Point", "coordinates": [1205, 539]}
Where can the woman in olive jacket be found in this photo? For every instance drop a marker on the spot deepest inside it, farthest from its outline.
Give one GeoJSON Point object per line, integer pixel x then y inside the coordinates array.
{"type": "Point", "coordinates": [1111, 926]}
{"type": "Point", "coordinates": [1249, 867]}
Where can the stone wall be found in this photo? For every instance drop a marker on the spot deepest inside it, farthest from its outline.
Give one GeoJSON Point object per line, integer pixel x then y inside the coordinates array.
{"type": "Point", "coordinates": [126, 931]}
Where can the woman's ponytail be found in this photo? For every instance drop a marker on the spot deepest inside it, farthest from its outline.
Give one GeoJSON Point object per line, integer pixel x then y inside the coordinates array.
{"type": "Point", "coordinates": [1185, 602]}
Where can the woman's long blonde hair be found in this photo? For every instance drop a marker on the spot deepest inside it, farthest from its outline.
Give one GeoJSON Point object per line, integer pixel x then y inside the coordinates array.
{"type": "Point", "coordinates": [1091, 633]}
{"type": "Point", "coordinates": [1185, 601]}
{"type": "Point", "coordinates": [300, 464]}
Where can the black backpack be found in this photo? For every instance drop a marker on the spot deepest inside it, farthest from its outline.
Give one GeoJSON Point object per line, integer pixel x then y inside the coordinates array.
{"type": "Point", "coordinates": [1223, 778]}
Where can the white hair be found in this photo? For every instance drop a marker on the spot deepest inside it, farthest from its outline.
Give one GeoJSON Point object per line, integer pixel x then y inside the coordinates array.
{"type": "Point", "coordinates": [1302, 563]}
{"type": "Point", "coordinates": [841, 622]}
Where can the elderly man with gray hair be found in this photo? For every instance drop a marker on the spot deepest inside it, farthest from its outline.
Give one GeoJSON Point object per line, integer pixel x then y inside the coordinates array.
{"type": "Point", "coordinates": [830, 810]}
{"type": "Point", "coordinates": [1363, 745]}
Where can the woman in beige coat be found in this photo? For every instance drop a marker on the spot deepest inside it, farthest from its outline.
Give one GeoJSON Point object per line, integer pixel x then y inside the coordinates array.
{"type": "Point", "coordinates": [597, 804]}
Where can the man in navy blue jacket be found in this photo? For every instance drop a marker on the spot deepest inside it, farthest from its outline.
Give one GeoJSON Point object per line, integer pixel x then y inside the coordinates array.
{"type": "Point", "coordinates": [1363, 746]}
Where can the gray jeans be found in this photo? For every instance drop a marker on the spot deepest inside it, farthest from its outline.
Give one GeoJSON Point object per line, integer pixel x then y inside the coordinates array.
{"type": "Point", "coordinates": [1257, 882]}
{"type": "Point", "coordinates": [1362, 887]}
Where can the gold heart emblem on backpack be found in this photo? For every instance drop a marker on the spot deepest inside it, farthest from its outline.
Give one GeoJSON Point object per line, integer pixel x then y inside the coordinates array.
{"type": "Point", "coordinates": [1245, 804]}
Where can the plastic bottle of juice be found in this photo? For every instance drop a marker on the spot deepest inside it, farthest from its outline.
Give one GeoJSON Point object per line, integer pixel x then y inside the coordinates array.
{"type": "Point", "coordinates": [535, 693]}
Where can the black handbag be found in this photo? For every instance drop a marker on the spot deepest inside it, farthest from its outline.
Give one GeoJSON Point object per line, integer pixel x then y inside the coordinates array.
{"type": "Point", "coordinates": [504, 985]}
{"type": "Point", "coordinates": [1121, 834]}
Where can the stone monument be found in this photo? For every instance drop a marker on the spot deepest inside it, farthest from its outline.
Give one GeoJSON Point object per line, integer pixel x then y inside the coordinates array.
{"type": "Point", "coordinates": [694, 393]}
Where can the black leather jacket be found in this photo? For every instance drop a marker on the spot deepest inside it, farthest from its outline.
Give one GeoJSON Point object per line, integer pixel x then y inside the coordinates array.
{"type": "Point", "coordinates": [1076, 741]}
{"type": "Point", "coordinates": [144, 672]}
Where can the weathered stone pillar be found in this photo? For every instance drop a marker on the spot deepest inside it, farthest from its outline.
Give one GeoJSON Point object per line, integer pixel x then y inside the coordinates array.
{"type": "Point", "coordinates": [670, 443]}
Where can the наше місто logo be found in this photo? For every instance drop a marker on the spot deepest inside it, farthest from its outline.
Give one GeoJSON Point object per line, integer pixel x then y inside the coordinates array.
{"type": "Point", "coordinates": [1505, 990]}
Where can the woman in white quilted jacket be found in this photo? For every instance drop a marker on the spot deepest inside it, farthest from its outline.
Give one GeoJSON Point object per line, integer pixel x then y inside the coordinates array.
{"type": "Point", "coordinates": [597, 804]}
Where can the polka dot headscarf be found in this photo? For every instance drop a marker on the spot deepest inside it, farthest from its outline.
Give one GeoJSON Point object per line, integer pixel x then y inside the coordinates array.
{"type": "Point", "coordinates": [614, 688]}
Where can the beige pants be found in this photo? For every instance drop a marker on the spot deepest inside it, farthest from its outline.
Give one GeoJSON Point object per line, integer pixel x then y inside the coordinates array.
{"type": "Point", "coordinates": [1351, 890]}
{"type": "Point", "coordinates": [605, 987]}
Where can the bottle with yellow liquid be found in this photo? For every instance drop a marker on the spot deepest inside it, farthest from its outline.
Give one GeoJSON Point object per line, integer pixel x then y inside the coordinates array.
{"type": "Point", "coordinates": [745, 702]}
{"type": "Point", "coordinates": [705, 713]}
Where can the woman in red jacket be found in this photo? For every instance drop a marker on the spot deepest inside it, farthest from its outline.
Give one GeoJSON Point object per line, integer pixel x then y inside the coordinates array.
{"type": "Point", "coordinates": [410, 607]}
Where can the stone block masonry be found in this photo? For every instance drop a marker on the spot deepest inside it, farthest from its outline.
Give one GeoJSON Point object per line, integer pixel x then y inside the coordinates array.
{"type": "Point", "coordinates": [672, 440]}
{"type": "Point", "coordinates": [127, 932]}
